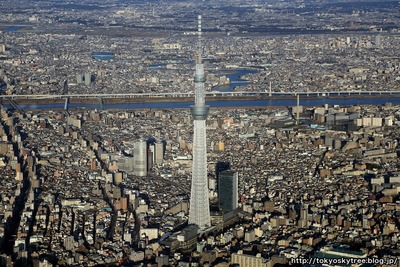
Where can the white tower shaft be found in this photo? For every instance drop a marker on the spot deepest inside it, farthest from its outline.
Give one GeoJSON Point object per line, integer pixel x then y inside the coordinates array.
{"type": "Point", "coordinates": [199, 212]}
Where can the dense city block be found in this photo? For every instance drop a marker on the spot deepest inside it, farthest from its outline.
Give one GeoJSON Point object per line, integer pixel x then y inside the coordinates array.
{"type": "Point", "coordinates": [86, 181]}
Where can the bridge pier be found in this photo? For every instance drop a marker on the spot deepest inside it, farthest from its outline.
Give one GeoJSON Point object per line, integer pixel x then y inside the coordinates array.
{"type": "Point", "coordinates": [338, 93]}
{"type": "Point", "coordinates": [66, 103]}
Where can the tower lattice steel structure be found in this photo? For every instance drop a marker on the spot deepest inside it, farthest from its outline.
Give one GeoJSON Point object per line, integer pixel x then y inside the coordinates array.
{"type": "Point", "coordinates": [199, 212]}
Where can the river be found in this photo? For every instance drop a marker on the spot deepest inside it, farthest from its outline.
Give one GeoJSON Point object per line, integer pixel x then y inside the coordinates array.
{"type": "Point", "coordinates": [235, 78]}
{"type": "Point", "coordinates": [246, 103]}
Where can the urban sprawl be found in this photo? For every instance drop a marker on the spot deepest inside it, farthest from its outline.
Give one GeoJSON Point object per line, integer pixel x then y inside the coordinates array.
{"type": "Point", "coordinates": [296, 185]}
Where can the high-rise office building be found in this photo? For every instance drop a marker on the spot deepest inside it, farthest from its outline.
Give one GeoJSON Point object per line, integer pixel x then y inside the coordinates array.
{"type": "Point", "coordinates": [150, 157]}
{"type": "Point", "coordinates": [79, 78]}
{"type": "Point", "coordinates": [65, 87]}
{"type": "Point", "coordinates": [378, 40]}
{"type": "Point", "coordinates": [199, 212]}
{"type": "Point", "coordinates": [88, 78]}
{"type": "Point", "coordinates": [228, 191]}
{"type": "Point", "coordinates": [159, 149]}
{"type": "Point", "coordinates": [140, 158]}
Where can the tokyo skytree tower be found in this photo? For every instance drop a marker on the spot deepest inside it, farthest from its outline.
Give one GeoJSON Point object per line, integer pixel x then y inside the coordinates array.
{"type": "Point", "coordinates": [199, 212]}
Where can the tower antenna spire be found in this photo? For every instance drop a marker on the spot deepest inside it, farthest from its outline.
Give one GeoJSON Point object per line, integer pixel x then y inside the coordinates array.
{"type": "Point", "coordinates": [199, 48]}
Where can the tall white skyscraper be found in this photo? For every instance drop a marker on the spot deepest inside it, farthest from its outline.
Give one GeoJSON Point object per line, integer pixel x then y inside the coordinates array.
{"type": "Point", "coordinates": [140, 158]}
{"type": "Point", "coordinates": [199, 212]}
